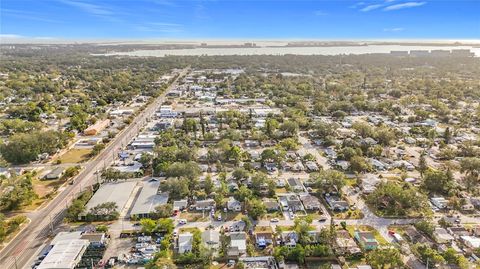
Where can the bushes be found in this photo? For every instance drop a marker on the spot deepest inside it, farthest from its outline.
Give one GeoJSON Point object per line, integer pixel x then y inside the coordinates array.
{"type": "Point", "coordinates": [8, 227]}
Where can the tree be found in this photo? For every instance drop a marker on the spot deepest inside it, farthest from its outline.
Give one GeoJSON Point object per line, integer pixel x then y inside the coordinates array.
{"type": "Point", "coordinates": [394, 199]}
{"type": "Point", "coordinates": [208, 185]}
{"type": "Point", "coordinates": [359, 164]}
{"type": "Point", "coordinates": [256, 208]}
{"type": "Point", "coordinates": [436, 181]}
{"type": "Point", "coordinates": [243, 193]}
{"type": "Point", "coordinates": [447, 135]}
{"type": "Point", "coordinates": [148, 226]}
{"type": "Point", "coordinates": [176, 187]}
{"type": "Point", "coordinates": [106, 211]}
{"type": "Point", "coordinates": [424, 252]}
{"type": "Point", "coordinates": [329, 180]}
{"type": "Point", "coordinates": [163, 211]}
{"type": "Point", "coordinates": [471, 167]}
{"type": "Point", "coordinates": [385, 258]}
{"type": "Point", "coordinates": [240, 174]}
{"type": "Point", "coordinates": [189, 170]}
{"type": "Point", "coordinates": [422, 164]}
{"type": "Point", "coordinates": [289, 128]}
{"type": "Point", "coordinates": [271, 125]}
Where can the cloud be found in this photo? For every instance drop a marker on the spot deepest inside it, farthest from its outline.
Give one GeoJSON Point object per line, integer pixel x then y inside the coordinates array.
{"type": "Point", "coordinates": [371, 7]}
{"type": "Point", "coordinates": [27, 15]}
{"type": "Point", "coordinates": [320, 13]}
{"type": "Point", "coordinates": [11, 36]}
{"type": "Point", "coordinates": [89, 8]}
{"type": "Point", "coordinates": [359, 4]}
{"type": "Point", "coordinates": [394, 30]}
{"type": "Point", "coordinates": [404, 5]}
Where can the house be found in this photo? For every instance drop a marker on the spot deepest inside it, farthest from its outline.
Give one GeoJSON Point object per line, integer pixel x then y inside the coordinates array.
{"type": "Point", "coordinates": [180, 205]}
{"type": "Point", "coordinates": [264, 238]}
{"type": "Point", "coordinates": [366, 240]}
{"type": "Point", "coordinates": [336, 203]}
{"type": "Point", "coordinates": [441, 236]}
{"type": "Point", "coordinates": [369, 183]}
{"type": "Point", "coordinates": [289, 238]}
{"type": "Point", "coordinates": [271, 204]}
{"type": "Point", "coordinates": [311, 166]}
{"type": "Point", "coordinates": [346, 244]}
{"type": "Point", "coordinates": [457, 232]}
{"type": "Point", "coordinates": [471, 241]}
{"type": "Point", "coordinates": [259, 262]}
{"type": "Point", "coordinates": [200, 205]}
{"type": "Point", "coordinates": [238, 244]}
{"type": "Point", "coordinates": [211, 239]}
{"type": "Point", "coordinates": [290, 201]}
{"type": "Point", "coordinates": [310, 202]}
{"type": "Point", "coordinates": [252, 143]}
{"type": "Point", "coordinates": [97, 127]}
{"type": "Point", "coordinates": [296, 184]}
{"type": "Point", "coordinates": [185, 241]}
{"type": "Point", "coordinates": [55, 173]}
{"type": "Point", "coordinates": [415, 237]}
{"type": "Point", "coordinates": [166, 112]}
{"type": "Point", "coordinates": [467, 206]}
{"type": "Point", "coordinates": [439, 202]}
{"type": "Point", "coordinates": [234, 205]}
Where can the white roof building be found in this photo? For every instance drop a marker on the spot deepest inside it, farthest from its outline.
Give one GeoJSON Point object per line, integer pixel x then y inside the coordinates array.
{"type": "Point", "coordinates": [185, 241]}
{"type": "Point", "coordinates": [148, 199]}
{"type": "Point", "coordinates": [66, 254]}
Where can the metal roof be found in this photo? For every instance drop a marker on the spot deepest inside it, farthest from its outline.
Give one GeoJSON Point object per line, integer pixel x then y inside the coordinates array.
{"type": "Point", "coordinates": [149, 198]}
{"type": "Point", "coordinates": [64, 255]}
{"type": "Point", "coordinates": [117, 192]}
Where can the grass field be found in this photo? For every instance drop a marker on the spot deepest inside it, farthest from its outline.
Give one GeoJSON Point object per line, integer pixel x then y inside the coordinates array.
{"type": "Point", "coordinates": [75, 156]}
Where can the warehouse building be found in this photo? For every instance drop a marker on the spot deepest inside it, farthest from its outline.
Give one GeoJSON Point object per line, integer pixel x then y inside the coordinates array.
{"type": "Point", "coordinates": [117, 192]}
{"type": "Point", "coordinates": [148, 199]}
{"type": "Point", "coordinates": [65, 254]}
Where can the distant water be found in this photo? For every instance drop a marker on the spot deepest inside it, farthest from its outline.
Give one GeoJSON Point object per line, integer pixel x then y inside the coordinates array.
{"type": "Point", "coordinates": [288, 50]}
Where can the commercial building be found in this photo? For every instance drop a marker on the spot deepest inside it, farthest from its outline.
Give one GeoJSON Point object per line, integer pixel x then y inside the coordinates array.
{"type": "Point", "coordinates": [148, 199]}
{"type": "Point", "coordinates": [65, 254]}
{"type": "Point", "coordinates": [117, 192]}
{"type": "Point", "coordinates": [97, 127]}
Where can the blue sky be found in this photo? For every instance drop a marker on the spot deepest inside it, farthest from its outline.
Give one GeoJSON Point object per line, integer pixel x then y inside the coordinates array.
{"type": "Point", "coordinates": [240, 19]}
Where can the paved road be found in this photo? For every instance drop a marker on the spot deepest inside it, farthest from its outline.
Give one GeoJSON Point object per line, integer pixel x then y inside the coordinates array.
{"type": "Point", "coordinates": [20, 251]}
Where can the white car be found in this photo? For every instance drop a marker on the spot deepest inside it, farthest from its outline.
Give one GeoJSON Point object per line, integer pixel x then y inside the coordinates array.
{"type": "Point", "coordinates": [182, 221]}
{"type": "Point", "coordinates": [274, 220]}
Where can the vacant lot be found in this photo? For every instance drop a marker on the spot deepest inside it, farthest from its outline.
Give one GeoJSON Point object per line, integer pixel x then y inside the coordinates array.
{"type": "Point", "coordinates": [75, 156]}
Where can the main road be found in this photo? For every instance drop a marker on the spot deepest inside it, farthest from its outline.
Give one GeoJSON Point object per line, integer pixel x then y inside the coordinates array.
{"type": "Point", "coordinates": [23, 247]}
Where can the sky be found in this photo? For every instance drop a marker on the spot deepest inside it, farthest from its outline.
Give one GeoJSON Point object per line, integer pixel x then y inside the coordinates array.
{"type": "Point", "coordinates": [239, 19]}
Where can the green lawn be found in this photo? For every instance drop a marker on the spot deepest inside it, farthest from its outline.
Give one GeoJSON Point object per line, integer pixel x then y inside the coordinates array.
{"type": "Point", "coordinates": [75, 156]}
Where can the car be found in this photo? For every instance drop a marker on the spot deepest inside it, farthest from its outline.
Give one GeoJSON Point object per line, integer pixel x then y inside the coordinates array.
{"type": "Point", "coordinates": [175, 233]}
{"type": "Point", "coordinates": [391, 232]}
{"type": "Point", "coordinates": [457, 221]}
{"type": "Point", "coordinates": [231, 263]}
{"type": "Point", "coordinates": [231, 228]}
{"type": "Point", "coordinates": [182, 221]}
{"type": "Point", "coordinates": [219, 218]}
{"type": "Point", "coordinates": [322, 219]}
{"type": "Point", "coordinates": [275, 220]}
{"type": "Point", "coordinates": [226, 229]}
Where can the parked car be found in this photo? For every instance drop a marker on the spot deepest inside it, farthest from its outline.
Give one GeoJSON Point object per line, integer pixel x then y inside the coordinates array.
{"type": "Point", "coordinates": [274, 220]}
